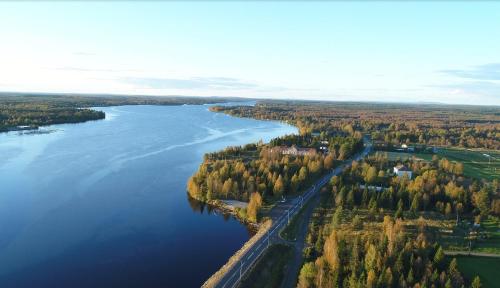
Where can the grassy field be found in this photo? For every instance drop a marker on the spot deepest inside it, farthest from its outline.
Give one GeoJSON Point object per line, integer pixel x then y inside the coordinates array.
{"type": "Point", "coordinates": [455, 238]}
{"type": "Point", "coordinates": [476, 164]}
{"type": "Point", "coordinates": [491, 244]}
{"type": "Point", "coordinates": [270, 269]}
{"type": "Point", "coordinates": [403, 156]}
{"type": "Point", "coordinates": [484, 267]}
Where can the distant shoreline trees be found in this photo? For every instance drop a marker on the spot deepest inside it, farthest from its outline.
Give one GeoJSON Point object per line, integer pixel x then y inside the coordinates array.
{"type": "Point", "coordinates": [390, 124]}
{"type": "Point", "coordinates": [34, 110]}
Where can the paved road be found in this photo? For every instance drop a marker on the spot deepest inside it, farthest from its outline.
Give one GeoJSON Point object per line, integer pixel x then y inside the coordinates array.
{"type": "Point", "coordinates": [281, 214]}
{"type": "Point", "coordinates": [293, 268]}
{"type": "Point", "coordinates": [466, 253]}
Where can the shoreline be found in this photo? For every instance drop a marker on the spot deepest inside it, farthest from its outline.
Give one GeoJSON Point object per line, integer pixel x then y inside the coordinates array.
{"type": "Point", "coordinates": [219, 204]}
{"type": "Point", "coordinates": [225, 208]}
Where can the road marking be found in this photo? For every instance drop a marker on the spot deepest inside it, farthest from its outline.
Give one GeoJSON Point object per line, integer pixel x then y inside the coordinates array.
{"type": "Point", "coordinates": [229, 279]}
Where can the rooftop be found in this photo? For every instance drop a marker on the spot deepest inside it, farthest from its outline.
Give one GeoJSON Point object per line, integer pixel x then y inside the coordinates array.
{"type": "Point", "coordinates": [402, 168]}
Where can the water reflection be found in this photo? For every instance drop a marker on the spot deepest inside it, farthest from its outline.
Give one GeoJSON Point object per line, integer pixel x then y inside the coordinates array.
{"type": "Point", "coordinates": [102, 204]}
{"type": "Point", "coordinates": [205, 208]}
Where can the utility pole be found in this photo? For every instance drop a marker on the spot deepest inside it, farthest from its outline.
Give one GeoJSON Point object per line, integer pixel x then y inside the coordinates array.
{"type": "Point", "coordinates": [268, 241]}
{"type": "Point", "coordinates": [241, 269]}
{"type": "Point", "coordinates": [489, 160]}
{"type": "Point", "coordinates": [470, 242]}
{"type": "Point", "coordinates": [288, 213]}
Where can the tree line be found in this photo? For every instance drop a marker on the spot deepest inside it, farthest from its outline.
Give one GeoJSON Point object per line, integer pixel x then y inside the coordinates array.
{"type": "Point", "coordinates": [34, 110]}
{"type": "Point", "coordinates": [392, 124]}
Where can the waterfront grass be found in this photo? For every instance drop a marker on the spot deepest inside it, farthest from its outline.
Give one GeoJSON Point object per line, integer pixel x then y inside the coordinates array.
{"type": "Point", "coordinates": [217, 276]}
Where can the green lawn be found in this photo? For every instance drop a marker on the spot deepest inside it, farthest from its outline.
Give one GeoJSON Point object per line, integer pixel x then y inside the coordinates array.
{"type": "Point", "coordinates": [487, 268]}
{"type": "Point", "coordinates": [491, 244]}
{"type": "Point", "coordinates": [454, 238]}
{"type": "Point", "coordinates": [403, 155]}
{"type": "Point", "coordinates": [476, 164]}
{"type": "Point", "coordinates": [270, 269]}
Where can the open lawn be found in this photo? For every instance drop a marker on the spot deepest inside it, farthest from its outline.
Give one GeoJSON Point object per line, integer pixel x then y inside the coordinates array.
{"type": "Point", "coordinates": [484, 267]}
{"type": "Point", "coordinates": [491, 241]}
{"type": "Point", "coordinates": [270, 269]}
{"type": "Point", "coordinates": [476, 163]}
{"type": "Point", "coordinates": [455, 238]}
{"type": "Point", "coordinates": [404, 156]}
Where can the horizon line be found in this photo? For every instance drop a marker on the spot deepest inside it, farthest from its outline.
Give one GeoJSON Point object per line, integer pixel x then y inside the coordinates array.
{"type": "Point", "coordinates": [246, 98]}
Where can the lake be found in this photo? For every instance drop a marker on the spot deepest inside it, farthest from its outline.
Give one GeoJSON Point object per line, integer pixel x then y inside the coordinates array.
{"type": "Point", "coordinates": [104, 203]}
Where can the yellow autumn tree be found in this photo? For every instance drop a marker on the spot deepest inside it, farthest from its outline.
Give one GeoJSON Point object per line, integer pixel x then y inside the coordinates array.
{"type": "Point", "coordinates": [279, 187]}
{"type": "Point", "coordinates": [254, 206]}
{"type": "Point", "coordinates": [331, 251]}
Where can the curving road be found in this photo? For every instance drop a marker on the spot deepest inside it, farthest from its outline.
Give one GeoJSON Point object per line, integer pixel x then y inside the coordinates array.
{"type": "Point", "coordinates": [281, 215]}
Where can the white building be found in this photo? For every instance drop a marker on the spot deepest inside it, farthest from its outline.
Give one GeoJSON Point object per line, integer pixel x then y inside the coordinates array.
{"type": "Point", "coordinates": [401, 170]}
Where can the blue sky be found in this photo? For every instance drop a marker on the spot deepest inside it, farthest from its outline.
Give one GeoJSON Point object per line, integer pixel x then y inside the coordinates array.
{"type": "Point", "coordinates": [369, 51]}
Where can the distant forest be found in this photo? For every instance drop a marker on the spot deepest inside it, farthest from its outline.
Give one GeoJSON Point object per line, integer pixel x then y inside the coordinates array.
{"type": "Point", "coordinates": [390, 124]}
{"type": "Point", "coordinates": [34, 110]}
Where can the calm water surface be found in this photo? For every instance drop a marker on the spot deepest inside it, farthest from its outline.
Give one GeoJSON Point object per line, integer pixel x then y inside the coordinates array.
{"type": "Point", "coordinates": [103, 203]}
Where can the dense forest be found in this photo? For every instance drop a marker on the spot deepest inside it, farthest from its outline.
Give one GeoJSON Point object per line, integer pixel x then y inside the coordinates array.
{"type": "Point", "coordinates": [437, 185]}
{"type": "Point", "coordinates": [373, 229]}
{"type": "Point", "coordinates": [34, 115]}
{"type": "Point", "coordinates": [243, 172]}
{"type": "Point", "coordinates": [34, 110]}
{"type": "Point", "coordinates": [391, 124]}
